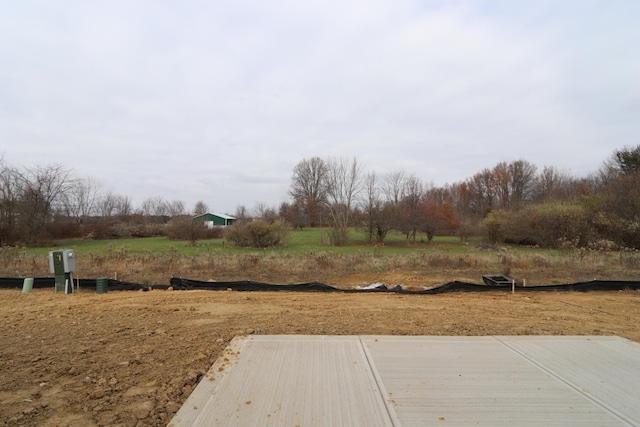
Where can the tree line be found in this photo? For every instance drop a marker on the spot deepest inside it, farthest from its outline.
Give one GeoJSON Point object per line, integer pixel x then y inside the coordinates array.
{"type": "Point", "coordinates": [48, 201]}
{"type": "Point", "coordinates": [512, 202]}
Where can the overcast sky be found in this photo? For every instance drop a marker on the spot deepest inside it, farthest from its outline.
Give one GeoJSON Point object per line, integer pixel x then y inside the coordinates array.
{"type": "Point", "coordinates": [219, 100]}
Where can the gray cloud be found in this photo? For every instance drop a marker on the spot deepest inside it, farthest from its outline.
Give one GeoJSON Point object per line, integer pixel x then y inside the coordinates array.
{"type": "Point", "coordinates": [218, 101]}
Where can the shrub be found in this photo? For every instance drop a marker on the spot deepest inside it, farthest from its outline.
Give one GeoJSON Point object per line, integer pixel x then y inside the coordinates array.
{"type": "Point", "coordinates": [258, 234]}
{"type": "Point", "coordinates": [213, 233]}
{"type": "Point", "coordinates": [64, 230]}
{"type": "Point", "coordinates": [548, 225]}
{"type": "Point", "coordinates": [493, 226]}
{"type": "Point", "coordinates": [551, 223]}
{"type": "Point", "coordinates": [631, 233]}
{"type": "Point", "coordinates": [101, 228]}
{"type": "Point", "coordinates": [603, 245]}
{"type": "Point", "coordinates": [237, 233]}
{"type": "Point", "coordinates": [184, 228]}
{"type": "Point", "coordinates": [143, 230]}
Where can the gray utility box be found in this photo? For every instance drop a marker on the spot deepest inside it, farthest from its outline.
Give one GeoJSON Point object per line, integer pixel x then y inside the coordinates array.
{"type": "Point", "coordinates": [64, 259]}
{"type": "Point", "coordinates": [62, 263]}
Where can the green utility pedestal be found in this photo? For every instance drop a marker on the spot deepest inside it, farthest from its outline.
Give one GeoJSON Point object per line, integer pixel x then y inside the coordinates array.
{"type": "Point", "coordinates": [58, 269]}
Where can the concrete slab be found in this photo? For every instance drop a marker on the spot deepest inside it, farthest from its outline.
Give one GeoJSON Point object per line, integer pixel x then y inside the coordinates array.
{"type": "Point", "coordinates": [288, 380]}
{"type": "Point", "coordinates": [407, 381]}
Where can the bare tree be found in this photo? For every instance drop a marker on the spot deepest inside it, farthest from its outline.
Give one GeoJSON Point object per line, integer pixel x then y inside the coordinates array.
{"type": "Point", "coordinates": [309, 187]}
{"type": "Point", "coordinates": [293, 213]}
{"type": "Point", "coordinates": [154, 206]}
{"type": "Point", "coordinates": [200, 208]}
{"type": "Point", "coordinates": [523, 176]}
{"type": "Point", "coordinates": [552, 184]}
{"type": "Point", "coordinates": [110, 204]}
{"type": "Point", "coordinates": [123, 206]}
{"type": "Point", "coordinates": [175, 208]}
{"type": "Point", "coordinates": [409, 217]}
{"type": "Point", "coordinates": [344, 181]}
{"type": "Point", "coordinates": [437, 195]}
{"type": "Point", "coordinates": [502, 187]}
{"type": "Point", "coordinates": [481, 193]}
{"type": "Point", "coordinates": [260, 209]}
{"type": "Point", "coordinates": [370, 203]}
{"type": "Point", "coordinates": [378, 214]}
{"type": "Point", "coordinates": [107, 204]}
{"type": "Point", "coordinates": [10, 192]}
{"type": "Point", "coordinates": [242, 214]}
{"type": "Point", "coordinates": [394, 186]}
{"type": "Point", "coordinates": [79, 203]}
{"type": "Point", "coordinates": [42, 191]}
{"type": "Point", "coordinates": [265, 212]}
{"type": "Point", "coordinates": [81, 199]}
{"type": "Point", "coordinates": [461, 201]}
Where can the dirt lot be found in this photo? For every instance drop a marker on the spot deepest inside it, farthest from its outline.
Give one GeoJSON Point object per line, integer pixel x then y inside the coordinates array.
{"type": "Point", "coordinates": [132, 358]}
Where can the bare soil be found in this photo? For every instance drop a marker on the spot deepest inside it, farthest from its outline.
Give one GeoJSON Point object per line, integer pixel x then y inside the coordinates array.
{"type": "Point", "coordinates": [132, 358]}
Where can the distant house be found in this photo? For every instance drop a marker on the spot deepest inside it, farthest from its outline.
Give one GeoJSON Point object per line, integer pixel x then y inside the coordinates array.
{"type": "Point", "coordinates": [212, 220]}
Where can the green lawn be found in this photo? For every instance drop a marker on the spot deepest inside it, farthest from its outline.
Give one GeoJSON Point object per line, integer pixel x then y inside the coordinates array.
{"type": "Point", "coordinates": [298, 242]}
{"type": "Point", "coordinates": [308, 257]}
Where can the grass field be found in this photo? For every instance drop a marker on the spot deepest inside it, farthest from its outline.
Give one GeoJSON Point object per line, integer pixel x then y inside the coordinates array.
{"type": "Point", "coordinates": [298, 242]}
{"type": "Point", "coordinates": [307, 258]}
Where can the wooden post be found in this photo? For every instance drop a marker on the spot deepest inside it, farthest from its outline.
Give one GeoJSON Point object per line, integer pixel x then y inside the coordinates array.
{"type": "Point", "coordinates": [513, 286]}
